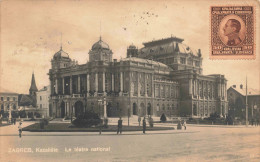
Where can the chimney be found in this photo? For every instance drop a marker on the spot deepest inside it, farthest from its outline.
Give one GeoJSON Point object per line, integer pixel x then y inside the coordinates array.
{"type": "Point", "coordinates": [234, 86]}
{"type": "Point", "coordinates": [241, 86]}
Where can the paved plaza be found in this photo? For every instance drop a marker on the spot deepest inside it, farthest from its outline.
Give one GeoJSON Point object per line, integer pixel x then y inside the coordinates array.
{"type": "Point", "coordinates": [197, 143]}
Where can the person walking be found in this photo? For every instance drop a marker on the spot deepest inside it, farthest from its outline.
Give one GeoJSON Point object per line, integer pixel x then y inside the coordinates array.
{"type": "Point", "coordinates": [14, 121]}
{"type": "Point", "coordinates": [144, 125]}
{"type": "Point", "coordinates": [20, 129]}
{"type": "Point", "coordinates": [119, 126]}
{"type": "Point", "coordinates": [184, 124]}
{"type": "Point", "coordinates": [139, 120]}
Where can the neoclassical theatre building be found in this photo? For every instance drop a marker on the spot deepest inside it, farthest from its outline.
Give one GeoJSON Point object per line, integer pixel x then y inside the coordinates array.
{"type": "Point", "coordinates": [165, 76]}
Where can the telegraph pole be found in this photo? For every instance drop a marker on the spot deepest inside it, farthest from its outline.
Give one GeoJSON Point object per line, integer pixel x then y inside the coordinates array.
{"type": "Point", "coordinates": [246, 105]}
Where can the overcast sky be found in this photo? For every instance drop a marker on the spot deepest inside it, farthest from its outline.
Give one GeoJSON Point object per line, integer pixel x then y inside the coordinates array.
{"type": "Point", "coordinates": [31, 34]}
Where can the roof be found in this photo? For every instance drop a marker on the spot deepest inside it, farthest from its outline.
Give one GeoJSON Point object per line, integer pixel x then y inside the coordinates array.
{"type": "Point", "coordinates": [136, 59]}
{"type": "Point", "coordinates": [8, 93]}
{"type": "Point", "coordinates": [250, 91]}
{"type": "Point", "coordinates": [169, 46]}
{"type": "Point", "coordinates": [33, 84]}
{"type": "Point", "coordinates": [163, 41]}
{"type": "Point", "coordinates": [26, 100]}
{"type": "Point", "coordinates": [100, 45]}
{"type": "Point", "coordinates": [60, 54]}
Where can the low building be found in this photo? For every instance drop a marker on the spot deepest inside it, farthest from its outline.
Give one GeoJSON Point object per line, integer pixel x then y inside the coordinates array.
{"type": "Point", "coordinates": [237, 102]}
{"type": "Point", "coordinates": [8, 101]}
{"type": "Point", "coordinates": [43, 96]}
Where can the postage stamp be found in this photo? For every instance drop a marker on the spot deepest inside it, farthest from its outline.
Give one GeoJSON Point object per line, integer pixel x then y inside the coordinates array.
{"type": "Point", "coordinates": [232, 32]}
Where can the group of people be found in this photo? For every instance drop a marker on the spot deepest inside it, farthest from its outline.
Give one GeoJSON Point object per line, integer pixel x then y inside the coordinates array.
{"type": "Point", "coordinates": [13, 121]}
{"type": "Point", "coordinates": [182, 124]}
{"type": "Point", "coordinates": [255, 122]}
{"type": "Point", "coordinates": [120, 125]}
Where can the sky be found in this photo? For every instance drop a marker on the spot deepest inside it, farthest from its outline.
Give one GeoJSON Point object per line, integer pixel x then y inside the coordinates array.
{"type": "Point", "coordinates": [31, 34]}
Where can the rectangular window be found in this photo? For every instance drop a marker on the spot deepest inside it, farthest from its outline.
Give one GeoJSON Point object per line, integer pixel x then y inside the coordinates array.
{"type": "Point", "coordinates": [8, 98]}
{"type": "Point", "coordinates": [2, 98]}
{"type": "Point", "coordinates": [40, 98]}
{"type": "Point", "coordinates": [183, 60]}
{"type": "Point", "coordinates": [197, 63]}
{"type": "Point", "coordinates": [13, 98]}
{"type": "Point", "coordinates": [41, 106]}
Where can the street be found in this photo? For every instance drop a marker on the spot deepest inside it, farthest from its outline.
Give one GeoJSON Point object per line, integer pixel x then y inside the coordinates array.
{"type": "Point", "coordinates": [197, 143]}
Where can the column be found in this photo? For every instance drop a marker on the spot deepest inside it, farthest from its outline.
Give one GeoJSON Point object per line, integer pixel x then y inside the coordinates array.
{"type": "Point", "coordinates": [88, 84]}
{"type": "Point", "coordinates": [96, 82]}
{"type": "Point", "coordinates": [63, 86]}
{"type": "Point", "coordinates": [121, 84]}
{"type": "Point", "coordinates": [105, 108]}
{"type": "Point", "coordinates": [153, 90]}
{"type": "Point", "coordinates": [78, 83]}
{"type": "Point", "coordinates": [198, 89]}
{"type": "Point", "coordinates": [66, 108]}
{"type": "Point", "coordinates": [71, 85]}
{"type": "Point", "coordinates": [190, 86]}
{"type": "Point", "coordinates": [219, 92]}
{"type": "Point", "coordinates": [212, 92]}
{"type": "Point", "coordinates": [145, 86]}
{"type": "Point", "coordinates": [138, 87]}
{"type": "Point", "coordinates": [112, 84]}
{"type": "Point", "coordinates": [103, 80]}
{"type": "Point", "coordinates": [56, 86]}
{"type": "Point", "coordinates": [225, 90]}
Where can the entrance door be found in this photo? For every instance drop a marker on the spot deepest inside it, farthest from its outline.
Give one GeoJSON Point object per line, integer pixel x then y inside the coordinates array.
{"type": "Point", "coordinates": [62, 107]}
{"type": "Point", "coordinates": [149, 109]}
{"type": "Point", "coordinates": [78, 108]}
{"type": "Point", "coordinates": [142, 109]}
{"type": "Point", "coordinates": [134, 109]}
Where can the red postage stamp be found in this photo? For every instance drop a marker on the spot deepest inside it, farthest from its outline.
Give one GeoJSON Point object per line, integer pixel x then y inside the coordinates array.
{"type": "Point", "coordinates": [232, 32]}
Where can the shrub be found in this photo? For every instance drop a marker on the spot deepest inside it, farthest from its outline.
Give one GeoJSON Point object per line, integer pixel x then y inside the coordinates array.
{"type": "Point", "coordinates": [22, 114]}
{"type": "Point", "coordinates": [163, 118]}
{"type": "Point", "coordinates": [88, 119]}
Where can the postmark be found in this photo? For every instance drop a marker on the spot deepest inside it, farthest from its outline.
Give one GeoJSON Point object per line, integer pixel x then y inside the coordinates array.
{"type": "Point", "coordinates": [232, 32]}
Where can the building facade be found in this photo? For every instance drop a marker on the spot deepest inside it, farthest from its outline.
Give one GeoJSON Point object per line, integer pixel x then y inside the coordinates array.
{"type": "Point", "coordinates": [237, 102]}
{"type": "Point", "coordinates": [43, 96]}
{"type": "Point", "coordinates": [8, 101]}
{"type": "Point", "coordinates": [164, 76]}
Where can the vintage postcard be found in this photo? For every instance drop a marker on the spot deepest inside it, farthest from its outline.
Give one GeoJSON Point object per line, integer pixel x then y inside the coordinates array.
{"type": "Point", "coordinates": [124, 80]}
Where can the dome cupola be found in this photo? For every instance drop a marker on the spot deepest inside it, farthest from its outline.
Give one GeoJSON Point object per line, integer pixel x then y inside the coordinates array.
{"type": "Point", "coordinates": [100, 45]}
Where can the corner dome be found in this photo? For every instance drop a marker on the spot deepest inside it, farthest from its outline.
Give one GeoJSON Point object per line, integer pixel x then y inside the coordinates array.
{"type": "Point", "coordinates": [61, 54]}
{"type": "Point", "coordinates": [132, 46]}
{"type": "Point", "coordinates": [100, 45]}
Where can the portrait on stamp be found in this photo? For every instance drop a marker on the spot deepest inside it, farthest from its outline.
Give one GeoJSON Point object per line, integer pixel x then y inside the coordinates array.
{"type": "Point", "coordinates": [232, 30]}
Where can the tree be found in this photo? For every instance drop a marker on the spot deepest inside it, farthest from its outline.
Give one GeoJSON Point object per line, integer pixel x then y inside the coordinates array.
{"type": "Point", "coordinates": [163, 118]}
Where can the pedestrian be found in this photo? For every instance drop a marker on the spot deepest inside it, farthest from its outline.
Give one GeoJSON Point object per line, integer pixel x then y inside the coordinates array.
{"type": "Point", "coordinates": [184, 124]}
{"type": "Point", "coordinates": [20, 129]}
{"type": "Point", "coordinates": [0, 119]}
{"type": "Point", "coordinates": [139, 120]}
{"type": "Point", "coordinates": [144, 125]}
{"type": "Point", "coordinates": [119, 126]}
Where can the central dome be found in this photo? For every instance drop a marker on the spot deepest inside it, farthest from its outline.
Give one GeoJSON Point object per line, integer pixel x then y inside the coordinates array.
{"type": "Point", "coordinates": [100, 45]}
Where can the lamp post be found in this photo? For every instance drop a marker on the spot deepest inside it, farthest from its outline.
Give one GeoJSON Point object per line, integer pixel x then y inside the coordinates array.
{"type": "Point", "coordinates": [128, 114]}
